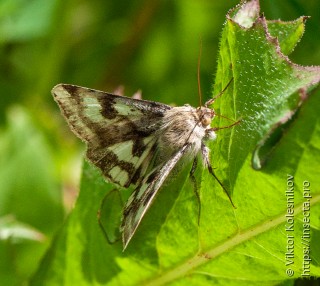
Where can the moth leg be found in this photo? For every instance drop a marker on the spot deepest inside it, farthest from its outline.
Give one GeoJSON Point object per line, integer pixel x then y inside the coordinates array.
{"type": "Point", "coordinates": [109, 215]}
{"type": "Point", "coordinates": [205, 154]}
{"type": "Point", "coordinates": [224, 127]}
{"type": "Point", "coordinates": [211, 101]}
{"type": "Point", "coordinates": [195, 185]}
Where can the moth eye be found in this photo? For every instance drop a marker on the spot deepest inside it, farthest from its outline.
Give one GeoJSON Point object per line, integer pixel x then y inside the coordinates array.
{"type": "Point", "coordinates": [206, 120]}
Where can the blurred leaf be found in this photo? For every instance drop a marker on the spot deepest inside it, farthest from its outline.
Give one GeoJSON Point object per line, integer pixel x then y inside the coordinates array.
{"type": "Point", "coordinates": [243, 246]}
{"type": "Point", "coordinates": [24, 20]}
{"type": "Point", "coordinates": [28, 193]}
{"type": "Point", "coordinates": [26, 171]}
{"type": "Point", "coordinates": [10, 229]}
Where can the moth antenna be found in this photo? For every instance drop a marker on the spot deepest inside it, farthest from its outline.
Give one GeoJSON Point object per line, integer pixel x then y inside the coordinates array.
{"type": "Point", "coordinates": [199, 85]}
{"type": "Point", "coordinates": [210, 101]}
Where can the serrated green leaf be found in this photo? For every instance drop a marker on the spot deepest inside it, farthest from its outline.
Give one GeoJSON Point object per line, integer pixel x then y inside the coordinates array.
{"type": "Point", "coordinates": [287, 33]}
{"type": "Point", "coordinates": [242, 246]}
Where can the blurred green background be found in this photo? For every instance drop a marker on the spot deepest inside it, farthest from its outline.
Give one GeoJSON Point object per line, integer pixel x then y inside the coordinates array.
{"type": "Point", "coordinates": [147, 45]}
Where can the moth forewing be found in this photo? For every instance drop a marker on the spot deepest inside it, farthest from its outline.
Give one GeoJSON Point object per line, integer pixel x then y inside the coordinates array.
{"type": "Point", "coordinates": [119, 131]}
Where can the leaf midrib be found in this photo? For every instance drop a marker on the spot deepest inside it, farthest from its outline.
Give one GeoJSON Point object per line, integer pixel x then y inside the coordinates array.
{"type": "Point", "coordinates": [201, 258]}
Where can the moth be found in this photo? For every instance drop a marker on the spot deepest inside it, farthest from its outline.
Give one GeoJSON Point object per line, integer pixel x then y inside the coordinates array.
{"type": "Point", "coordinates": [136, 142]}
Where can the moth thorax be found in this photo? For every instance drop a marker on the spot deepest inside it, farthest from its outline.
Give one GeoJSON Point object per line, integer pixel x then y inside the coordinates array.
{"type": "Point", "coordinates": [205, 115]}
{"type": "Point", "coordinates": [180, 126]}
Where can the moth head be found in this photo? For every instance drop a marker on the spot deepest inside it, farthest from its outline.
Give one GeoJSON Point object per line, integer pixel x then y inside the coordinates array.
{"type": "Point", "coordinates": [205, 115]}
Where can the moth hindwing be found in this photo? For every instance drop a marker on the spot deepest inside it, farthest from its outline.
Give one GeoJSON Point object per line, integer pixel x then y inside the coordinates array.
{"type": "Point", "coordinates": [135, 142]}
